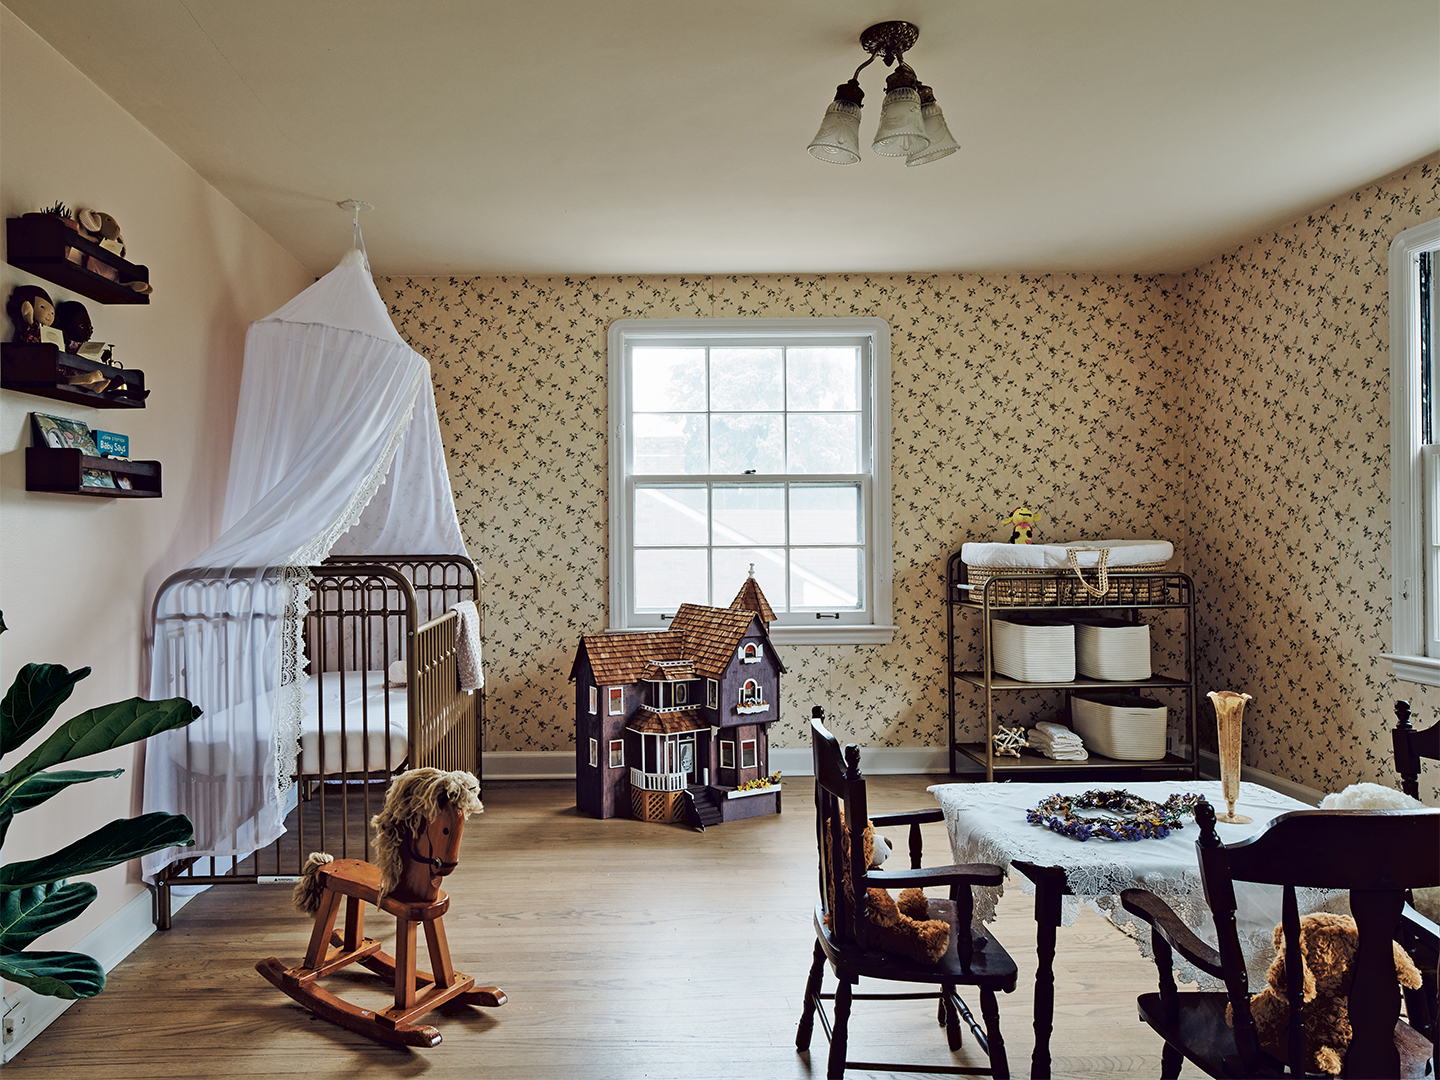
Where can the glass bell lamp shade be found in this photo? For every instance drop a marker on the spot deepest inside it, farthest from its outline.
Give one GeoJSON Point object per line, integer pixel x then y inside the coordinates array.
{"type": "Point", "coordinates": [838, 140]}
{"type": "Point", "coordinates": [902, 127]}
{"type": "Point", "coordinates": [942, 143]}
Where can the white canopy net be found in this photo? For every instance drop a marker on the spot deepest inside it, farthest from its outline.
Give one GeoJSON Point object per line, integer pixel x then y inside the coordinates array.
{"type": "Point", "coordinates": [337, 451]}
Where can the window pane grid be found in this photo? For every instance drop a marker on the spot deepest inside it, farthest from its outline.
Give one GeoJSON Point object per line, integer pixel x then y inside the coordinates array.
{"type": "Point", "coordinates": [814, 570]}
{"type": "Point", "coordinates": [738, 449]}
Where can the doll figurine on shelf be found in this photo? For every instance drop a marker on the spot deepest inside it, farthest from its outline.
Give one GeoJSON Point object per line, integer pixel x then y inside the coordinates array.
{"type": "Point", "coordinates": [1023, 520]}
{"type": "Point", "coordinates": [33, 313]}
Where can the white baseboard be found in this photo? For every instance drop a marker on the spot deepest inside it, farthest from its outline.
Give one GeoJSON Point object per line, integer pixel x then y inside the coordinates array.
{"type": "Point", "coordinates": [529, 765]}
{"type": "Point", "coordinates": [27, 1013]}
{"type": "Point", "coordinates": [560, 764]}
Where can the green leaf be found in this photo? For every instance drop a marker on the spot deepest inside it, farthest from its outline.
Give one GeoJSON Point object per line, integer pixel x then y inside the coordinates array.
{"type": "Point", "coordinates": [119, 841]}
{"type": "Point", "coordinates": [38, 690]}
{"type": "Point", "coordinates": [54, 974]}
{"type": "Point", "coordinates": [104, 729]}
{"type": "Point", "coordinates": [25, 914]}
{"type": "Point", "coordinates": [34, 790]}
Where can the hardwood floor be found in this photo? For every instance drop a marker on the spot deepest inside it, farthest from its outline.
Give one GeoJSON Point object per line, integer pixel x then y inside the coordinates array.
{"type": "Point", "coordinates": [627, 951]}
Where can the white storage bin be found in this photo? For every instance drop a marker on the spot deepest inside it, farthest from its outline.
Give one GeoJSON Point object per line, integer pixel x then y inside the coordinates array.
{"type": "Point", "coordinates": [1033, 649]}
{"type": "Point", "coordinates": [1112, 649]}
{"type": "Point", "coordinates": [1122, 726]}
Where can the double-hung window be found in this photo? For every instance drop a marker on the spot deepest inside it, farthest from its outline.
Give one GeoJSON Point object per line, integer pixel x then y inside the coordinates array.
{"type": "Point", "coordinates": [1415, 455]}
{"type": "Point", "coordinates": [752, 443]}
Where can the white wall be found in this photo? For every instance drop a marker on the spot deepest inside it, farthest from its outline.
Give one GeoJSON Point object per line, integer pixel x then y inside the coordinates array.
{"type": "Point", "coordinates": [77, 575]}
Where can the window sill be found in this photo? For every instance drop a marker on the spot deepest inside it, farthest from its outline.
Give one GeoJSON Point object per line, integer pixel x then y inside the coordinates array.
{"type": "Point", "coordinates": [803, 635]}
{"type": "Point", "coordinates": [1417, 669]}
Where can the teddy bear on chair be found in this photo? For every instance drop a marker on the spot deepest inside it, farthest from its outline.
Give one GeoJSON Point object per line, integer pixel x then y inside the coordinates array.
{"type": "Point", "coordinates": [905, 927]}
{"type": "Point", "coordinates": [1327, 949]}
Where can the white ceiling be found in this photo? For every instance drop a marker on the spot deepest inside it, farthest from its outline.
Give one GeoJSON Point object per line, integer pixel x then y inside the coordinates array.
{"type": "Point", "coordinates": [668, 136]}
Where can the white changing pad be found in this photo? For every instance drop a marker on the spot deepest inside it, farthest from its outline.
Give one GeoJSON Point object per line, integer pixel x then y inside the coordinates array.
{"type": "Point", "coordinates": [1123, 553]}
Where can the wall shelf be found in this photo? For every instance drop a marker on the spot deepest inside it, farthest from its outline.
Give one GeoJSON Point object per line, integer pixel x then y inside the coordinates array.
{"type": "Point", "coordinates": [38, 243]}
{"type": "Point", "coordinates": [58, 470]}
{"type": "Point", "coordinates": [35, 369]}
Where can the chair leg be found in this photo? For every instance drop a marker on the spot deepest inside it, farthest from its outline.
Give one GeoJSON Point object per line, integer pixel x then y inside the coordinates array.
{"type": "Point", "coordinates": [950, 1017]}
{"type": "Point", "coordinates": [840, 1031]}
{"type": "Point", "coordinates": [990, 1010]}
{"type": "Point", "coordinates": [1170, 1062]}
{"type": "Point", "coordinates": [812, 995]}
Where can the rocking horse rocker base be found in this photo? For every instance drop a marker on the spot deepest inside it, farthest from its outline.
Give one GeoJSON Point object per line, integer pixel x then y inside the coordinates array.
{"type": "Point", "coordinates": [416, 901]}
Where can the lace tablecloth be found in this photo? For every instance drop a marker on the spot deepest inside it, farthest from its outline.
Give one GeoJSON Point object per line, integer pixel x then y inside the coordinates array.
{"type": "Point", "coordinates": [986, 823]}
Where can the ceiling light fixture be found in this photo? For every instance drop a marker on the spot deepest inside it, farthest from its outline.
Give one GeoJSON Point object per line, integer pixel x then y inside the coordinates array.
{"type": "Point", "coordinates": [911, 123]}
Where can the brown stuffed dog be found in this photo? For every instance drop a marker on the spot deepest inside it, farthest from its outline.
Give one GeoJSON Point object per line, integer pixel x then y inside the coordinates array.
{"type": "Point", "coordinates": [1327, 949]}
{"type": "Point", "coordinates": [904, 928]}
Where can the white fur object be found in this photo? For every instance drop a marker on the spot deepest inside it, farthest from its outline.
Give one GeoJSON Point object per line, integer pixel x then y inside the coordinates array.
{"type": "Point", "coordinates": [1379, 797]}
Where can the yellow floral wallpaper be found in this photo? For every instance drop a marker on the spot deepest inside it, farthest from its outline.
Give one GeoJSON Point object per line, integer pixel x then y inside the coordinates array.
{"type": "Point", "coordinates": [1238, 410]}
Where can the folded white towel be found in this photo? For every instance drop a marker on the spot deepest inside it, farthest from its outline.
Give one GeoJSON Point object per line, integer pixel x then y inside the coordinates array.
{"type": "Point", "coordinates": [1057, 742]}
{"type": "Point", "coordinates": [467, 647]}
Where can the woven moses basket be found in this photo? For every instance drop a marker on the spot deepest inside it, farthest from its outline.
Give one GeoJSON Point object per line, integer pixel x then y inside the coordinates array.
{"type": "Point", "coordinates": [1056, 574]}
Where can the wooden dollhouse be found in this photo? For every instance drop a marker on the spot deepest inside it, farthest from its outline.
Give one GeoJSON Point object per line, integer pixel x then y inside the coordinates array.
{"type": "Point", "coordinates": [669, 725]}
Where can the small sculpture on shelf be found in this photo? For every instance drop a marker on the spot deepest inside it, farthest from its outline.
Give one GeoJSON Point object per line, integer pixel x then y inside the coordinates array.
{"type": "Point", "coordinates": [1009, 740]}
{"type": "Point", "coordinates": [1023, 520]}
{"type": "Point", "coordinates": [33, 313]}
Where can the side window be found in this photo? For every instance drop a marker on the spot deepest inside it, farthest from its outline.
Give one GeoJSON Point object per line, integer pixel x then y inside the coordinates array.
{"type": "Point", "coordinates": [747, 754]}
{"type": "Point", "coordinates": [594, 700]}
{"type": "Point", "coordinates": [1414, 456]}
{"type": "Point", "coordinates": [594, 754]}
{"type": "Point", "coordinates": [727, 755]}
{"type": "Point", "coordinates": [617, 753]}
{"type": "Point", "coordinates": [712, 693]}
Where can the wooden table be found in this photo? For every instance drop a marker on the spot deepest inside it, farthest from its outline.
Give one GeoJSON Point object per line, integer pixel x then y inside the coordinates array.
{"type": "Point", "coordinates": [986, 823]}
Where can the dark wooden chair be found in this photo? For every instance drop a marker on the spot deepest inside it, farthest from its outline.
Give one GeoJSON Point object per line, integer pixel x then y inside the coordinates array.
{"type": "Point", "coordinates": [973, 957]}
{"type": "Point", "coordinates": [1376, 855]}
{"type": "Point", "coordinates": [1411, 748]}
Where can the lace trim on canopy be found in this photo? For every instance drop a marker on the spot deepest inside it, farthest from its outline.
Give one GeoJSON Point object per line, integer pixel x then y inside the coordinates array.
{"type": "Point", "coordinates": [295, 577]}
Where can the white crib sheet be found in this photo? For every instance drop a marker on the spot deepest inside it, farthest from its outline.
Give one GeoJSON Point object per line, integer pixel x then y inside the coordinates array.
{"type": "Point", "coordinates": [326, 732]}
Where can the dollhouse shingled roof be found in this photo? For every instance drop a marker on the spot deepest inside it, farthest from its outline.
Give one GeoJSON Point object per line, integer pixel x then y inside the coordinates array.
{"type": "Point", "coordinates": [618, 659]}
{"type": "Point", "coordinates": [700, 641]}
{"type": "Point", "coordinates": [750, 598]}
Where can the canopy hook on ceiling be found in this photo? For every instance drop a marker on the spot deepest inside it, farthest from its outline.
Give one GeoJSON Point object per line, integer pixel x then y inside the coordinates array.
{"type": "Point", "coordinates": [357, 238]}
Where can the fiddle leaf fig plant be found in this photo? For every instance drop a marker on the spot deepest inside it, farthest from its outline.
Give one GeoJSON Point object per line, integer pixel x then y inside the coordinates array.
{"type": "Point", "coordinates": [35, 895]}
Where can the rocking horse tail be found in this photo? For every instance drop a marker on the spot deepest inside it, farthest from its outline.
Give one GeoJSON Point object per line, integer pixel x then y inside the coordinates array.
{"type": "Point", "coordinates": [308, 889]}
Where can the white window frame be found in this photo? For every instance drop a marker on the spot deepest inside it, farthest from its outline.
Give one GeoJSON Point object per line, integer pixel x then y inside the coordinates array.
{"type": "Point", "coordinates": [611, 693]}
{"type": "Point", "coordinates": [594, 701]}
{"type": "Point", "coordinates": [617, 753]}
{"type": "Point", "coordinates": [594, 754]}
{"type": "Point", "coordinates": [712, 693]}
{"type": "Point", "coordinates": [727, 751]}
{"type": "Point", "coordinates": [878, 557]}
{"type": "Point", "coordinates": [754, 755]}
{"type": "Point", "coordinates": [1415, 596]}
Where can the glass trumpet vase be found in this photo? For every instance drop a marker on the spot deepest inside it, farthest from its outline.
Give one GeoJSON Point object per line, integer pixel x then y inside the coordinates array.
{"type": "Point", "coordinates": [1229, 709]}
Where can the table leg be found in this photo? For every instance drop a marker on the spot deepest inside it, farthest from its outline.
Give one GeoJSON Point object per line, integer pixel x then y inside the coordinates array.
{"type": "Point", "coordinates": [1049, 887]}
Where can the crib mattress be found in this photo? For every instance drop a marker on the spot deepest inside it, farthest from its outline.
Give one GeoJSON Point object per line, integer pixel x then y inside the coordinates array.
{"type": "Point", "coordinates": [342, 721]}
{"type": "Point", "coordinates": [346, 718]}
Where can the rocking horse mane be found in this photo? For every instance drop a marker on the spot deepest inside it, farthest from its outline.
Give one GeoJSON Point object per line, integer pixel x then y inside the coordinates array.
{"type": "Point", "coordinates": [415, 798]}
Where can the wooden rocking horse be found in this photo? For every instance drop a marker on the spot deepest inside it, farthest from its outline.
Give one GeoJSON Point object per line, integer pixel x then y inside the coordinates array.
{"type": "Point", "coordinates": [417, 843]}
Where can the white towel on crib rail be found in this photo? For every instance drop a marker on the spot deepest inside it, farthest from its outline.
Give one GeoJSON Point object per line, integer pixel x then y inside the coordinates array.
{"type": "Point", "coordinates": [467, 653]}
